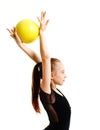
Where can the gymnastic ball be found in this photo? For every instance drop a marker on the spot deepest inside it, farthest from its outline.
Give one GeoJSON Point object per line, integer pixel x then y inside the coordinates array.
{"type": "Point", "coordinates": [27, 30]}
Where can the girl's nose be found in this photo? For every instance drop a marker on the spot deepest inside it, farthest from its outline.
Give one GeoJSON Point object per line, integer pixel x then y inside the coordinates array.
{"type": "Point", "coordinates": [65, 76]}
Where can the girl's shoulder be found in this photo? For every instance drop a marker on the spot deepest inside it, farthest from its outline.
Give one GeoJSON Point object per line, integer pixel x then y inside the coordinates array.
{"type": "Point", "coordinates": [47, 98]}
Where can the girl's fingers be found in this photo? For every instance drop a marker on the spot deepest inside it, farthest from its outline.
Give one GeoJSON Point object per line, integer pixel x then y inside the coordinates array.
{"type": "Point", "coordinates": [9, 30]}
{"type": "Point", "coordinates": [43, 14]}
{"type": "Point", "coordinates": [47, 22]}
{"type": "Point", "coordinates": [38, 19]}
{"type": "Point", "coordinates": [14, 29]}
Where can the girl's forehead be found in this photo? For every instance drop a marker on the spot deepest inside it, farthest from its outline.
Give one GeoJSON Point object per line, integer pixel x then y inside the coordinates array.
{"type": "Point", "coordinates": [59, 65]}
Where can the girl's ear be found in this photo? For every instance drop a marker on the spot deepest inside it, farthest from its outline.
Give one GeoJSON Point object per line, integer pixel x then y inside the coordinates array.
{"type": "Point", "coordinates": [52, 75]}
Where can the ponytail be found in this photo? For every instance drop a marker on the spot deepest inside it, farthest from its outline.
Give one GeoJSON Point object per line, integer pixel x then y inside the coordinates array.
{"type": "Point", "coordinates": [36, 77]}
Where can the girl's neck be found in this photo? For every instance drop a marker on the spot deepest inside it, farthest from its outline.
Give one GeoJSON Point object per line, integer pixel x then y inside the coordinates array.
{"type": "Point", "coordinates": [54, 88]}
{"type": "Point", "coordinates": [53, 85]}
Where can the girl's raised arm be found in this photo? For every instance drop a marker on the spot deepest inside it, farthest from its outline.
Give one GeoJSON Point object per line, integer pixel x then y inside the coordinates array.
{"type": "Point", "coordinates": [27, 50]}
{"type": "Point", "coordinates": [46, 59]}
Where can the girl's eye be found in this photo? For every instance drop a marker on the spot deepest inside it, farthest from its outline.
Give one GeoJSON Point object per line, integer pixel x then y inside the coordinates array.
{"type": "Point", "coordinates": [63, 72]}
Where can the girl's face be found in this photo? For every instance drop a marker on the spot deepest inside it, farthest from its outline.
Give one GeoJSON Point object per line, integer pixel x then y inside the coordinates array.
{"type": "Point", "coordinates": [58, 75]}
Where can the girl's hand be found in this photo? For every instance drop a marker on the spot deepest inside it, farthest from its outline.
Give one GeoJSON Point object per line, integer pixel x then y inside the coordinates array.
{"type": "Point", "coordinates": [43, 22]}
{"type": "Point", "coordinates": [14, 35]}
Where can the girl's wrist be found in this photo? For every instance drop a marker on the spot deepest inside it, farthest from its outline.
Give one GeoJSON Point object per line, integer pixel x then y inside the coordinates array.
{"type": "Point", "coordinates": [41, 32]}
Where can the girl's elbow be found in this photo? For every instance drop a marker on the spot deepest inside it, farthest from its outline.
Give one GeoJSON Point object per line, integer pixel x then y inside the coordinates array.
{"type": "Point", "coordinates": [46, 57]}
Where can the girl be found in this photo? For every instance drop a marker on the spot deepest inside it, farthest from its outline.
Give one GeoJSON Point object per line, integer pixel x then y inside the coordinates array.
{"type": "Point", "coordinates": [47, 74]}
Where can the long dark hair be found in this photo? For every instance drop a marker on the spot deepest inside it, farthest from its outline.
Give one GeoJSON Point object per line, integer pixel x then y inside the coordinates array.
{"type": "Point", "coordinates": [36, 78]}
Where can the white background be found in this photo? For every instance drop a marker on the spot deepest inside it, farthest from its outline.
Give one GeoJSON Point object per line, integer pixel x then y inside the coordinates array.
{"type": "Point", "coordinates": [73, 35]}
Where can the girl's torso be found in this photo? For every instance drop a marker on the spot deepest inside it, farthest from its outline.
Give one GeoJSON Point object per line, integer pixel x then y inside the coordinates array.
{"type": "Point", "coordinates": [58, 110]}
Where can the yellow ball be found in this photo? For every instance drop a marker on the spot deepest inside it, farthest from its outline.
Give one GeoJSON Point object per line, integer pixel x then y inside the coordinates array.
{"type": "Point", "coordinates": [27, 30]}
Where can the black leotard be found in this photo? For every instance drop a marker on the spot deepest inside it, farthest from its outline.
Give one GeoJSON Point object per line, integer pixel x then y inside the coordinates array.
{"type": "Point", "coordinates": [58, 110]}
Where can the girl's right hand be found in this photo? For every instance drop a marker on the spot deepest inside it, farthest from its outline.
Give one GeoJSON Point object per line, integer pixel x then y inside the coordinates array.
{"type": "Point", "coordinates": [43, 22]}
{"type": "Point", "coordinates": [14, 35]}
